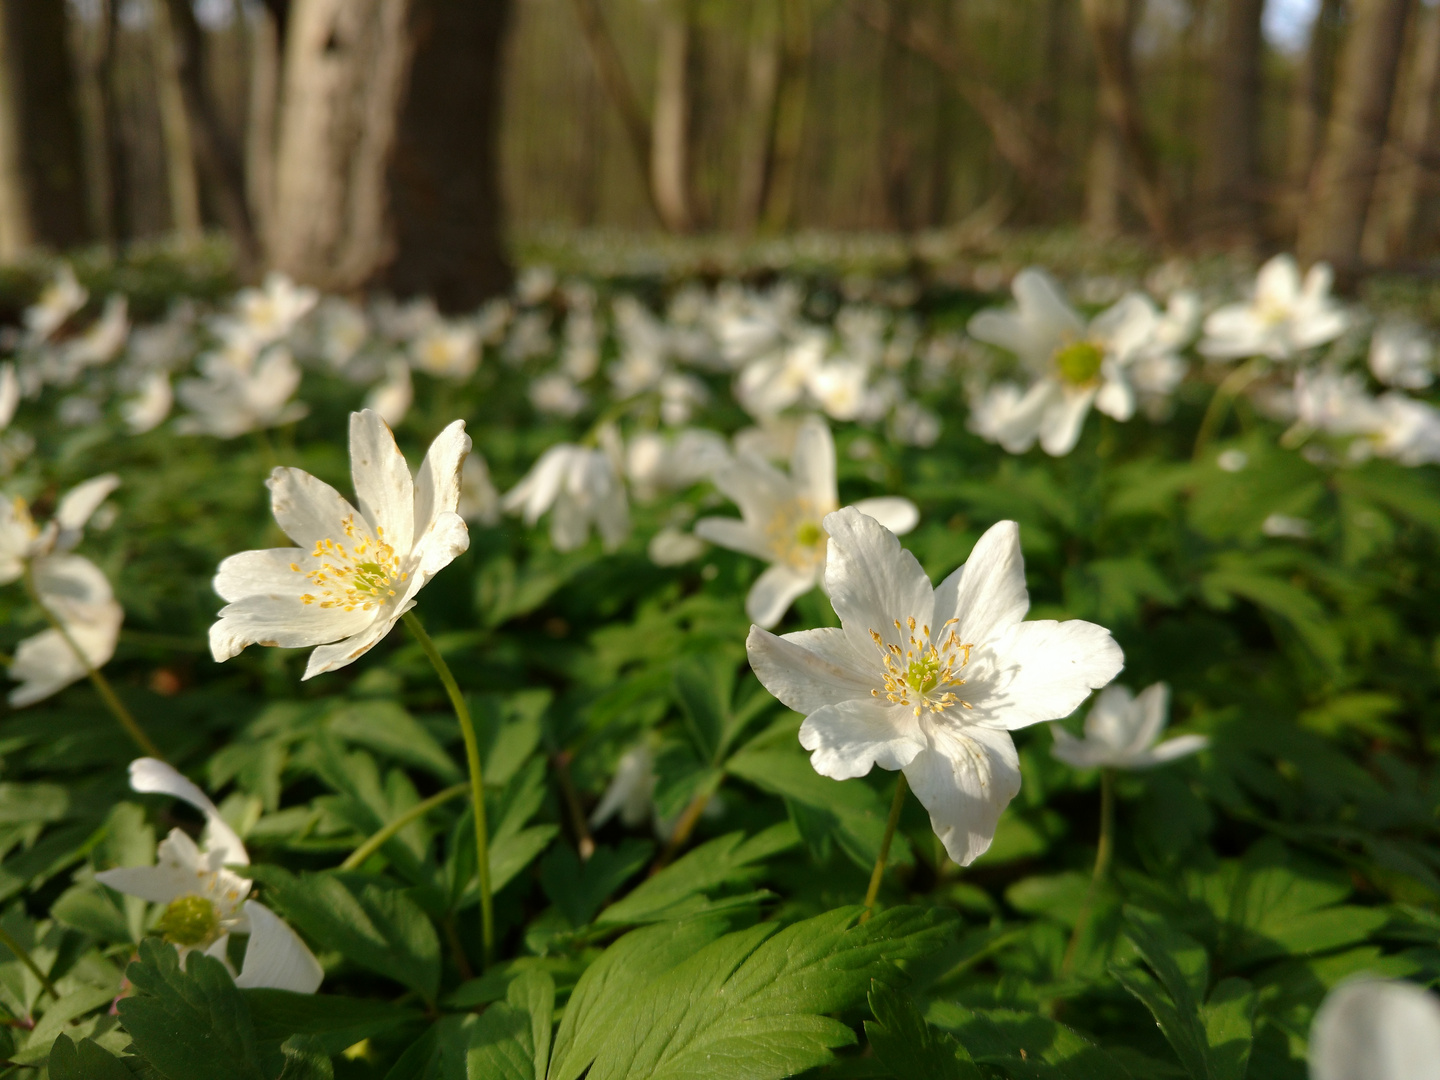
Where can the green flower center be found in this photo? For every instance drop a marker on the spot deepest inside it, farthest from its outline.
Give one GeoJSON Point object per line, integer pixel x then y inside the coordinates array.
{"type": "Point", "coordinates": [1079, 363]}
{"type": "Point", "coordinates": [809, 534]}
{"type": "Point", "coordinates": [923, 673]}
{"type": "Point", "coordinates": [190, 920]}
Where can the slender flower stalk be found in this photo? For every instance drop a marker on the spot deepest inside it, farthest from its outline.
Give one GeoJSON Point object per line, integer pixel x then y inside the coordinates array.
{"type": "Point", "coordinates": [376, 842]}
{"type": "Point", "coordinates": [102, 685]}
{"type": "Point", "coordinates": [880, 860]}
{"type": "Point", "coordinates": [477, 780]}
{"type": "Point", "coordinates": [1229, 389]}
{"type": "Point", "coordinates": [686, 825]}
{"type": "Point", "coordinates": [1104, 851]}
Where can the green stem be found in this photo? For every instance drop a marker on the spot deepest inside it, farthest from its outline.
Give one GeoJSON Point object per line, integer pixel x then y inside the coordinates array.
{"type": "Point", "coordinates": [1104, 849]}
{"type": "Point", "coordinates": [29, 961]}
{"type": "Point", "coordinates": [375, 843]}
{"type": "Point", "coordinates": [102, 685]}
{"type": "Point", "coordinates": [688, 820]}
{"type": "Point", "coordinates": [477, 781]}
{"type": "Point", "coordinates": [1225, 393]}
{"type": "Point", "coordinates": [891, 823]}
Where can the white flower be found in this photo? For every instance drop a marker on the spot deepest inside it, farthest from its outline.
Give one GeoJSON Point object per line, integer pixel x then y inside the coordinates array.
{"type": "Point", "coordinates": [680, 396]}
{"type": "Point", "coordinates": [776, 380]}
{"type": "Point", "coordinates": [479, 501]}
{"type": "Point", "coordinates": [269, 313]}
{"type": "Point", "coordinates": [1122, 730]}
{"type": "Point", "coordinates": [557, 395]}
{"type": "Point", "coordinates": [674, 547]}
{"type": "Point", "coordinates": [1282, 319]}
{"type": "Point", "coordinates": [148, 409]}
{"type": "Point", "coordinates": [838, 386]}
{"type": "Point", "coordinates": [355, 572]}
{"type": "Point", "coordinates": [9, 394]}
{"type": "Point", "coordinates": [911, 424]}
{"type": "Point", "coordinates": [535, 284]}
{"type": "Point", "coordinates": [102, 341]}
{"type": "Point", "coordinates": [447, 350]}
{"type": "Point", "coordinates": [631, 791]}
{"type": "Point", "coordinates": [344, 330]}
{"type": "Point", "coordinates": [61, 298]}
{"type": "Point", "coordinates": [390, 398]}
{"type": "Point", "coordinates": [21, 540]}
{"type": "Point", "coordinates": [1402, 355]}
{"type": "Point", "coordinates": [931, 680]}
{"type": "Point", "coordinates": [782, 519]}
{"type": "Point", "coordinates": [1376, 1029]}
{"type": "Point", "coordinates": [1232, 460]}
{"type": "Point", "coordinates": [237, 397]}
{"type": "Point", "coordinates": [1409, 431]}
{"type": "Point", "coordinates": [580, 487]}
{"type": "Point", "coordinates": [1287, 526]}
{"type": "Point", "coordinates": [78, 595]}
{"type": "Point", "coordinates": [205, 902]}
{"type": "Point", "coordinates": [655, 463]}
{"type": "Point", "coordinates": [1075, 365]}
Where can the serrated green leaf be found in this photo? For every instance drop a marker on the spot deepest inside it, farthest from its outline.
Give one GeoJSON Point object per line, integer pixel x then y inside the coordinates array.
{"type": "Point", "coordinates": [386, 726]}
{"type": "Point", "coordinates": [338, 1022]}
{"type": "Point", "coordinates": [1027, 1046]}
{"type": "Point", "coordinates": [86, 1060]}
{"type": "Point", "coordinates": [511, 1039]}
{"type": "Point", "coordinates": [1229, 1019]}
{"type": "Point", "coordinates": [306, 1059]}
{"type": "Point", "coordinates": [579, 888]}
{"type": "Point", "coordinates": [908, 1046]}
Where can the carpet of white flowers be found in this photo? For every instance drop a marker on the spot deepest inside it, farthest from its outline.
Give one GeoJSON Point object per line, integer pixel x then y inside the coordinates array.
{"type": "Point", "coordinates": [742, 677]}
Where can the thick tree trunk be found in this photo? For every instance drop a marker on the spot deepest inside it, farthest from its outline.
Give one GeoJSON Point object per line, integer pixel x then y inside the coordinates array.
{"type": "Point", "coordinates": [1232, 203]}
{"type": "Point", "coordinates": [175, 127]}
{"type": "Point", "coordinates": [1111, 24]}
{"type": "Point", "coordinates": [42, 180]}
{"type": "Point", "coordinates": [1104, 182]}
{"type": "Point", "coordinates": [261, 121]}
{"type": "Point", "coordinates": [118, 217]}
{"type": "Point", "coordinates": [1334, 219]}
{"type": "Point", "coordinates": [670, 120]}
{"type": "Point", "coordinates": [346, 66]}
{"type": "Point", "coordinates": [762, 89]}
{"type": "Point", "coordinates": [610, 70]}
{"type": "Point", "coordinates": [444, 176]}
{"type": "Point", "coordinates": [1309, 108]}
{"type": "Point", "coordinates": [790, 108]}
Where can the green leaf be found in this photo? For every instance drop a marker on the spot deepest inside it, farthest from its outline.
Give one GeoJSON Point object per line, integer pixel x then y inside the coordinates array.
{"type": "Point", "coordinates": [1180, 966]}
{"type": "Point", "coordinates": [376, 927]}
{"type": "Point", "coordinates": [511, 1039]}
{"type": "Point", "coordinates": [21, 803]}
{"type": "Point", "coordinates": [1027, 1046]}
{"type": "Point", "coordinates": [387, 727]}
{"type": "Point", "coordinates": [1229, 1017]}
{"type": "Point", "coordinates": [339, 1022]}
{"type": "Point", "coordinates": [91, 910]}
{"type": "Point", "coordinates": [579, 888]}
{"type": "Point", "coordinates": [192, 1024]}
{"type": "Point", "coordinates": [909, 1047]}
{"type": "Point", "coordinates": [306, 1059]}
{"type": "Point", "coordinates": [85, 1061]}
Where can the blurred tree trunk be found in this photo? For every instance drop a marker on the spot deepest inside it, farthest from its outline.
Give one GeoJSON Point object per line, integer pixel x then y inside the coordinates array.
{"type": "Point", "coordinates": [444, 175]}
{"type": "Point", "coordinates": [796, 44]}
{"type": "Point", "coordinates": [118, 221]}
{"type": "Point", "coordinates": [762, 89]}
{"type": "Point", "coordinates": [1334, 218]}
{"type": "Point", "coordinates": [175, 127]}
{"type": "Point", "coordinates": [670, 120]}
{"type": "Point", "coordinates": [261, 118]}
{"type": "Point", "coordinates": [1111, 24]}
{"type": "Point", "coordinates": [1408, 169]}
{"type": "Point", "coordinates": [1309, 108]}
{"type": "Point", "coordinates": [42, 181]}
{"type": "Point", "coordinates": [1104, 181]}
{"type": "Point", "coordinates": [216, 154]}
{"type": "Point", "coordinates": [1231, 212]}
{"type": "Point", "coordinates": [897, 140]}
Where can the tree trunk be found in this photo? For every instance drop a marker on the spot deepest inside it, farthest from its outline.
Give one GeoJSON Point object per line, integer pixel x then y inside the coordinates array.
{"type": "Point", "coordinates": [1408, 172]}
{"type": "Point", "coordinates": [261, 120]}
{"type": "Point", "coordinates": [1334, 218]}
{"type": "Point", "coordinates": [346, 66]}
{"type": "Point", "coordinates": [175, 128]}
{"type": "Point", "coordinates": [444, 176]}
{"type": "Point", "coordinates": [897, 141]}
{"type": "Point", "coordinates": [1104, 181]}
{"type": "Point", "coordinates": [762, 89]}
{"type": "Point", "coordinates": [789, 114]}
{"type": "Point", "coordinates": [42, 178]}
{"type": "Point", "coordinates": [1231, 216]}
{"type": "Point", "coordinates": [1309, 108]}
{"type": "Point", "coordinates": [118, 217]}
{"type": "Point", "coordinates": [1111, 24]}
{"type": "Point", "coordinates": [670, 120]}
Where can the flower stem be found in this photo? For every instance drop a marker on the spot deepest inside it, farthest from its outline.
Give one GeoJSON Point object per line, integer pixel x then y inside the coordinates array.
{"type": "Point", "coordinates": [1225, 393]}
{"type": "Point", "coordinates": [375, 843]}
{"type": "Point", "coordinates": [686, 825]}
{"type": "Point", "coordinates": [29, 961]}
{"type": "Point", "coordinates": [584, 842]}
{"type": "Point", "coordinates": [1104, 849]}
{"type": "Point", "coordinates": [890, 825]}
{"type": "Point", "coordinates": [102, 685]}
{"type": "Point", "coordinates": [477, 780]}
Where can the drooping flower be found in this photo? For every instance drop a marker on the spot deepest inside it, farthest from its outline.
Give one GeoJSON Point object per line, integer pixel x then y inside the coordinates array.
{"type": "Point", "coordinates": [579, 486]}
{"type": "Point", "coordinates": [1075, 365]}
{"type": "Point", "coordinates": [1376, 1029]}
{"type": "Point", "coordinates": [1122, 730]}
{"type": "Point", "coordinates": [355, 571]}
{"type": "Point", "coordinates": [931, 680]}
{"type": "Point", "coordinates": [1283, 318]}
{"type": "Point", "coordinates": [77, 594]}
{"type": "Point", "coordinates": [781, 518]}
{"type": "Point", "coordinates": [204, 901]}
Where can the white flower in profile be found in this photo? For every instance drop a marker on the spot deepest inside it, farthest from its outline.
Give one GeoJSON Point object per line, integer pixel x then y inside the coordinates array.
{"type": "Point", "coordinates": [1122, 731]}
{"type": "Point", "coordinates": [1284, 316]}
{"type": "Point", "coordinates": [148, 409]}
{"type": "Point", "coordinates": [77, 594]}
{"type": "Point", "coordinates": [931, 680]}
{"type": "Point", "coordinates": [631, 790]}
{"type": "Point", "coordinates": [60, 299]}
{"type": "Point", "coordinates": [9, 394]}
{"type": "Point", "coordinates": [390, 398]}
{"type": "Point", "coordinates": [781, 518]}
{"type": "Point", "coordinates": [23, 541]}
{"type": "Point", "coordinates": [241, 393]}
{"type": "Point", "coordinates": [1402, 355]}
{"type": "Point", "coordinates": [355, 571]}
{"type": "Point", "coordinates": [656, 463]}
{"type": "Point", "coordinates": [1408, 431]}
{"type": "Point", "coordinates": [579, 487]}
{"type": "Point", "coordinates": [447, 350]}
{"type": "Point", "coordinates": [1376, 1029]}
{"type": "Point", "coordinates": [205, 902]}
{"type": "Point", "coordinates": [1075, 364]}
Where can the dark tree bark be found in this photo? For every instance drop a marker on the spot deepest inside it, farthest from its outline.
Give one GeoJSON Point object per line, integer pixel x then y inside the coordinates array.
{"type": "Point", "coordinates": [1309, 109]}
{"type": "Point", "coordinates": [45, 168]}
{"type": "Point", "coordinates": [444, 176]}
{"type": "Point", "coordinates": [1231, 214]}
{"type": "Point", "coordinates": [118, 217]}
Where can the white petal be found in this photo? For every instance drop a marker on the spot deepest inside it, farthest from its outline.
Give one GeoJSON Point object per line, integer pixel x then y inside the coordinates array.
{"type": "Point", "coordinates": [756, 487]}
{"type": "Point", "coordinates": [309, 510]}
{"type": "Point", "coordinates": [965, 778]}
{"type": "Point", "coordinates": [1152, 710]}
{"type": "Point", "coordinates": [383, 487]}
{"type": "Point", "coordinates": [540, 487]}
{"type": "Point", "coordinates": [773, 593]}
{"type": "Point", "coordinates": [812, 464]}
{"type": "Point", "coordinates": [1078, 753]}
{"type": "Point", "coordinates": [1045, 307]}
{"type": "Point", "coordinates": [1113, 721]}
{"type": "Point", "coordinates": [897, 514]}
{"type": "Point", "coordinates": [71, 584]}
{"type": "Point", "coordinates": [873, 582]}
{"type": "Point", "coordinates": [83, 500]}
{"type": "Point", "coordinates": [341, 653]}
{"type": "Point", "coordinates": [1376, 1030]}
{"type": "Point", "coordinates": [9, 394]}
{"type": "Point", "coordinates": [1061, 424]}
{"type": "Point", "coordinates": [437, 484]}
{"type": "Point", "coordinates": [734, 534]}
{"type": "Point", "coordinates": [281, 621]}
{"type": "Point", "coordinates": [987, 593]}
{"type": "Point", "coordinates": [179, 870]}
{"type": "Point", "coordinates": [1044, 670]}
{"type": "Point", "coordinates": [1171, 750]}
{"type": "Point", "coordinates": [850, 737]}
{"type": "Point", "coordinates": [811, 669]}
{"type": "Point", "coordinates": [1116, 399]}
{"type": "Point", "coordinates": [154, 777]}
{"type": "Point", "coordinates": [276, 958]}
{"type": "Point", "coordinates": [266, 572]}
